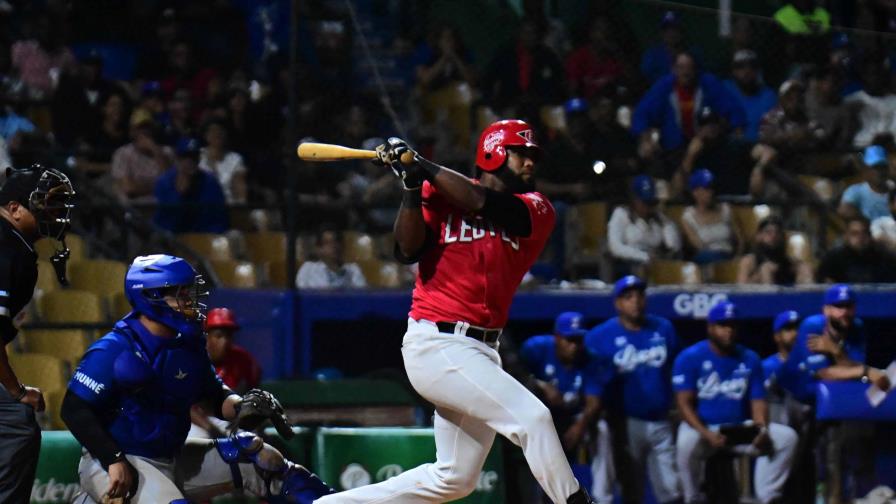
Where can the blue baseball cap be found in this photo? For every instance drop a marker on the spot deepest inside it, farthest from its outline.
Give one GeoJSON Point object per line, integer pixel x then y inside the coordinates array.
{"type": "Point", "coordinates": [670, 18]}
{"type": "Point", "coordinates": [874, 155]}
{"type": "Point", "coordinates": [570, 324]}
{"type": "Point", "coordinates": [187, 147]}
{"type": "Point", "coordinates": [575, 105]}
{"type": "Point", "coordinates": [644, 188]}
{"type": "Point", "coordinates": [628, 282]}
{"type": "Point", "coordinates": [784, 319]}
{"type": "Point", "coordinates": [722, 312]}
{"type": "Point", "coordinates": [839, 295]}
{"type": "Point", "coordinates": [701, 178]}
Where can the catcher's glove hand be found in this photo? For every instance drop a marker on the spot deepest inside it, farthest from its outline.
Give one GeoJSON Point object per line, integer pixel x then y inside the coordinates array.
{"type": "Point", "coordinates": [256, 407]}
{"type": "Point", "coordinates": [390, 153]}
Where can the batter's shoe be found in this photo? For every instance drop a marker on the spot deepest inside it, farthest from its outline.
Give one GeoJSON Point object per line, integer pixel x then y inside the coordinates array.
{"type": "Point", "coordinates": [580, 497]}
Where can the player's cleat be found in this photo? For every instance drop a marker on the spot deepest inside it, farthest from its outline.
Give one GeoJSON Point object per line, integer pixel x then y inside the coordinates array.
{"type": "Point", "coordinates": [580, 497]}
{"type": "Point", "coordinates": [300, 486]}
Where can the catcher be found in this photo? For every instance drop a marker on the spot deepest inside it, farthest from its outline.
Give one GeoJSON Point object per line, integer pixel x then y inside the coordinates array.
{"type": "Point", "coordinates": [128, 404]}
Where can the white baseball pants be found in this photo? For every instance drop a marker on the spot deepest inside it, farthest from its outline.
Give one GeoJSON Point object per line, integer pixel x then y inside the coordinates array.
{"type": "Point", "coordinates": [474, 399]}
{"type": "Point", "coordinates": [771, 471]}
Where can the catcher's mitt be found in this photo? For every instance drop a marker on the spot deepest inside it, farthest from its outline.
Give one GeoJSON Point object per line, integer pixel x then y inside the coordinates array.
{"type": "Point", "coordinates": [258, 406]}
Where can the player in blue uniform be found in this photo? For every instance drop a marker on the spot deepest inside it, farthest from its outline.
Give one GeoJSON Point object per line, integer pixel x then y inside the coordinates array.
{"type": "Point", "coordinates": [129, 401]}
{"type": "Point", "coordinates": [633, 353]}
{"type": "Point", "coordinates": [780, 402]}
{"type": "Point", "coordinates": [558, 365]}
{"type": "Point", "coordinates": [831, 346]}
{"type": "Point", "coordinates": [721, 396]}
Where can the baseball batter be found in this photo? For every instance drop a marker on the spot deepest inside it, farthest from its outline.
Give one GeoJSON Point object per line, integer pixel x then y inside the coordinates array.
{"type": "Point", "coordinates": [128, 404]}
{"type": "Point", "coordinates": [474, 240]}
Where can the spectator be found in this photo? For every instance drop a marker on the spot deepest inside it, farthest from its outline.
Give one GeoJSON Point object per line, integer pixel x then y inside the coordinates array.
{"type": "Point", "coordinates": [102, 140]}
{"type": "Point", "coordinates": [832, 346]}
{"type": "Point", "coordinates": [330, 271]}
{"type": "Point", "coordinates": [803, 17]}
{"type": "Point", "coordinates": [874, 105]}
{"type": "Point", "coordinates": [138, 165]}
{"type": "Point", "coordinates": [152, 106]}
{"type": "Point", "coordinates": [728, 157]}
{"type": "Point", "coordinates": [639, 232]}
{"type": "Point", "coordinates": [747, 85]}
{"type": "Point", "coordinates": [633, 354]}
{"type": "Point", "coordinates": [611, 143]}
{"type": "Point", "coordinates": [527, 72]}
{"type": "Point", "coordinates": [569, 177]}
{"type": "Point", "coordinates": [76, 102]}
{"type": "Point", "coordinates": [657, 61]}
{"type": "Point", "coordinates": [858, 259]}
{"type": "Point", "coordinates": [768, 263]}
{"type": "Point", "coordinates": [594, 67]}
{"type": "Point", "coordinates": [722, 401]}
{"type": "Point", "coordinates": [825, 107]}
{"type": "Point", "coordinates": [780, 402]}
{"type": "Point", "coordinates": [672, 105]}
{"type": "Point", "coordinates": [178, 122]}
{"type": "Point", "coordinates": [236, 367]}
{"type": "Point", "coordinates": [708, 225]}
{"type": "Point", "coordinates": [868, 198]}
{"type": "Point", "coordinates": [13, 127]}
{"type": "Point", "coordinates": [883, 229]}
{"type": "Point", "coordinates": [184, 73]}
{"type": "Point", "coordinates": [226, 165]}
{"type": "Point", "coordinates": [42, 58]}
{"type": "Point", "coordinates": [190, 200]}
{"type": "Point", "coordinates": [557, 364]}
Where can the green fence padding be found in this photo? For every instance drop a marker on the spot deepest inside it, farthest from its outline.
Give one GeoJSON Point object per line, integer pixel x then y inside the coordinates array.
{"type": "Point", "coordinates": [56, 480]}
{"type": "Point", "coordinates": [347, 458]}
{"type": "Point", "coordinates": [297, 393]}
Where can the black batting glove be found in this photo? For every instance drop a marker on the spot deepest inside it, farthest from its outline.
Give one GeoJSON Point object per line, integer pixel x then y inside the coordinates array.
{"type": "Point", "coordinates": [411, 175]}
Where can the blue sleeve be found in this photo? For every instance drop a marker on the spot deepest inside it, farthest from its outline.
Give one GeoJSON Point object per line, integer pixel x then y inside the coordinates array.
{"type": "Point", "coordinates": [598, 374]}
{"type": "Point", "coordinates": [94, 378]}
{"type": "Point", "coordinates": [721, 99]}
{"type": "Point", "coordinates": [530, 355]}
{"type": "Point", "coordinates": [645, 115]}
{"type": "Point", "coordinates": [684, 373]}
{"type": "Point", "coordinates": [214, 215]}
{"type": "Point", "coordinates": [757, 380]}
{"type": "Point", "coordinates": [852, 195]}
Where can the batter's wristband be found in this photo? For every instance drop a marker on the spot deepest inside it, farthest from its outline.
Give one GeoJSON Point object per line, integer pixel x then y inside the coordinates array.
{"type": "Point", "coordinates": [21, 394]}
{"type": "Point", "coordinates": [412, 198]}
{"type": "Point", "coordinates": [431, 169]}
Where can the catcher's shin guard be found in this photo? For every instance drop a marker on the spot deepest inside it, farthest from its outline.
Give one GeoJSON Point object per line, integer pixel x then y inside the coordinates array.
{"type": "Point", "coordinates": [299, 486]}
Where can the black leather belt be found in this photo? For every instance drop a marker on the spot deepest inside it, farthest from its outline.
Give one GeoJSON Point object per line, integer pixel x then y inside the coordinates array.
{"type": "Point", "coordinates": [489, 336]}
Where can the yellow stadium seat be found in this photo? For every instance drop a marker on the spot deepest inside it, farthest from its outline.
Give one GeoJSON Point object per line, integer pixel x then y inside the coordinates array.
{"type": "Point", "coordinates": [66, 344]}
{"type": "Point", "coordinates": [674, 213]}
{"type": "Point", "coordinates": [277, 275]}
{"type": "Point", "coordinates": [358, 246]}
{"type": "Point", "coordinates": [53, 402]}
{"type": "Point", "coordinates": [823, 187]}
{"type": "Point", "coordinates": [266, 246]}
{"type": "Point", "coordinates": [71, 305]}
{"type": "Point", "coordinates": [100, 276]}
{"type": "Point", "coordinates": [209, 246]}
{"type": "Point", "coordinates": [553, 117]}
{"type": "Point", "coordinates": [119, 305]}
{"type": "Point", "coordinates": [748, 217]}
{"type": "Point", "coordinates": [42, 371]}
{"type": "Point", "coordinates": [725, 272]}
{"type": "Point", "coordinates": [46, 279]}
{"type": "Point", "coordinates": [799, 246]}
{"type": "Point", "coordinates": [47, 247]}
{"type": "Point", "coordinates": [589, 223]}
{"type": "Point", "coordinates": [381, 274]}
{"type": "Point", "coordinates": [671, 272]}
{"type": "Point", "coordinates": [236, 274]}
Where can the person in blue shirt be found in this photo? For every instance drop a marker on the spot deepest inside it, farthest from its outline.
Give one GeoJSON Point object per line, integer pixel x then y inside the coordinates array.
{"type": "Point", "coordinates": [558, 365]}
{"type": "Point", "coordinates": [754, 95]}
{"type": "Point", "coordinates": [831, 346]}
{"type": "Point", "coordinates": [657, 60]}
{"type": "Point", "coordinates": [633, 353]}
{"type": "Point", "coordinates": [869, 198]}
{"type": "Point", "coordinates": [129, 402]}
{"type": "Point", "coordinates": [190, 200]}
{"type": "Point", "coordinates": [720, 392]}
{"type": "Point", "coordinates": [784, 329]}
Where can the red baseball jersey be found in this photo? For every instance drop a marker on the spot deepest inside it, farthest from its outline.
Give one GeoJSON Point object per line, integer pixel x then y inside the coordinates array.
{"type": "Point", "coordinates": [239, 370]}
{"type": "Point", "coordinates": [473, 271]}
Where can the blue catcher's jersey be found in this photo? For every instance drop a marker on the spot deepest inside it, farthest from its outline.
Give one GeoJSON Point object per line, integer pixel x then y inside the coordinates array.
{"type": "Point", "coordinates": [143, 386]}
{"type": "Point", "coordinates": [724, 385]}
{"type": "Point", "coordinates": [797, 375]}
{"type": "Point", "coordinates": [636, 365]}
{"type": "Point", "coordinates": [539, 354]}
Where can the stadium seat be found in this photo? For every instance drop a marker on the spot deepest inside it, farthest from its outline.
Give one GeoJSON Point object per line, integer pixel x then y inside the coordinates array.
{"type": "Point", "coordinates": [484, 116]}
{"type": "Point", "coordinates": [823, 187]}
{"type": "Point", "coordinates": [236, 274]}
{"type": "Point", "coordinates": [277, 276]}
{"type": "Point", "coordinates": [100, 276]}
{"type": "Point", "coordinates": [671, 272]}
{"type": "Point", "coordinates": [748, 218]}
{"type": "Point", "coordinates": [209, 246]}
{"type": "Point", "coordinates": [71, 305]}
{"type": "Point", "coordinates": [588, 227]}
{"type": "Point", "coordinates": [53, 402]}
{"type": "Point", "coordinates": [799, 247]}
{"type": "Point", "coordinates": [66, 344]}
{"type": "Point", "coordinates": [358, 246]}
{"type": "Point", "coordinates": [674, 213]}
{"type": "Point", "coordinates": [725, 272]}
{"type": "Point", "coordinates": [119, 305]}
{"type": "Point", "coordinates": [49, 374]}
{"type": "Point", "coordinates": [381, 274]}
{"type": "Point", "coordinates": [553, 117]}
{"type": "Point", "coordinates": [47, 247]}
{"type": "Point", "coordinates": [46, 279]}
{"type": "Point", "coordinates": [266, 246]}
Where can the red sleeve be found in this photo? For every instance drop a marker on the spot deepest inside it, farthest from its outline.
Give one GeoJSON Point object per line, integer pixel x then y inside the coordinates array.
{"type": "Point", "coordinates": [542, 214]}
{"type": "Point", "coordinates": [434, 206]}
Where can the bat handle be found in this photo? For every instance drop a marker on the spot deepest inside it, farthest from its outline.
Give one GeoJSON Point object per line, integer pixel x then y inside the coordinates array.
{"type": "Point", "coordinates": [407, 158]}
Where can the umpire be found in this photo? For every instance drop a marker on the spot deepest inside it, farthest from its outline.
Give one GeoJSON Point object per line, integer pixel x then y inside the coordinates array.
{"type": "Point", "coordinates": [34, 203]}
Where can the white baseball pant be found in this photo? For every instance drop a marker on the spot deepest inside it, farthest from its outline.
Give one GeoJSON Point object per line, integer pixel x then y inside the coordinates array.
{"type": "Point", "coordinates": [651, 447]}
{"type": "Point", "coordinates": [771, 471]}
{"type": "Point", "coordinates": [603, 469]}
{"type": "Point", "coordinates": [474, 399]}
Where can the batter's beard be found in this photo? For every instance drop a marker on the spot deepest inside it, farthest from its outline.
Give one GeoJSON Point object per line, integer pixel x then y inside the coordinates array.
{"type": "Point", "coordinates": [513, 182]}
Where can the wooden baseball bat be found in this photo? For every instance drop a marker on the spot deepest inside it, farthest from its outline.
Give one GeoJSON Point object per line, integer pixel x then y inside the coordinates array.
{"type": "Point", "coordinates": [320, 152]}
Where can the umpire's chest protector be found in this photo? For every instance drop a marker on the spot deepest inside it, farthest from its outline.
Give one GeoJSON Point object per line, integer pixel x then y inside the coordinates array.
{"type": "Point", "coordinates": [157, 380]}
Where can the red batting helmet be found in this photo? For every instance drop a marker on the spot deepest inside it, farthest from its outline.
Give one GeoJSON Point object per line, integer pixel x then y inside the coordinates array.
{"type": "Point", "coordinates": [491, 150]}
{"type": "Point", "coordinates": [221, 318]}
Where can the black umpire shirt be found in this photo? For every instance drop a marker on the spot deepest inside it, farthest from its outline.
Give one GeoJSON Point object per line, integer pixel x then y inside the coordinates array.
{"type": "Point", "coordinates": [18, 274]}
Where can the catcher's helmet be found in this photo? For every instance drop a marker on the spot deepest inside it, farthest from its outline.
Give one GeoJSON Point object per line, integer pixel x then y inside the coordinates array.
{"type": "Point", "coordinates": [221, 318]}
{"type": "Point", "coordinates": [150, 279]}
{"type": "Point", "coordinates": [45, 192]}
{"type": "Point", "coordinates": [491, 151]}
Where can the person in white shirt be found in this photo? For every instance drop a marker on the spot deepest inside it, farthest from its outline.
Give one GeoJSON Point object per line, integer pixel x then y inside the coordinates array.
{"type": "Point", "coordinates": [330, 271]}
{"type": "Point", "coordinates": [874, 105]}
{"type": "Point", "coordinates": [638, 232]}
{"type": "Point", "coordinates": [883, 229]}
{"type": "Point", "coordinates": [226, 165]}
{"type": "Point", "coordinates": [708, 225]}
